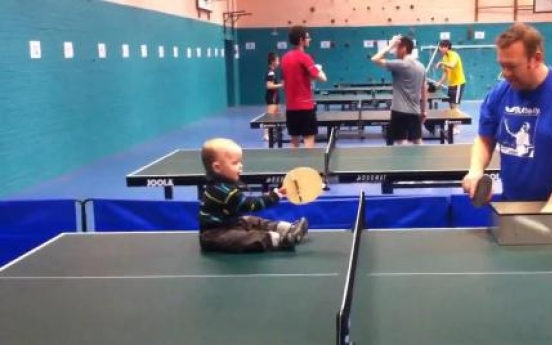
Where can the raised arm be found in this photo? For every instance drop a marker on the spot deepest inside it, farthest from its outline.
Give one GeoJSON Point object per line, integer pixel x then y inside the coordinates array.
{"type": "Point", "coordinates": [379, 58]}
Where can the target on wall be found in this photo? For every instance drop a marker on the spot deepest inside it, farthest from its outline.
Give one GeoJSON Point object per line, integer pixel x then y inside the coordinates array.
{"type": "Point", "coordinates": [206, 5]}
{"type": "Point", "coordinates": [542, 6]}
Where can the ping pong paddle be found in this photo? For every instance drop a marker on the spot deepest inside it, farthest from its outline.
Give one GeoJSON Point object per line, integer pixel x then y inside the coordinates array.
{"type": "Point", "coordinates": [531, 224]}
{"type": "Point", "coordinates": [483, 190]}
{"type": "Point", "coordinates": [303, 185]}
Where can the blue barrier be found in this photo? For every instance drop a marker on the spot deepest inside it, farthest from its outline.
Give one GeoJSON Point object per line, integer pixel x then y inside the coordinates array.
{"type": "Point", "coordinates": [140, 215]}
{"type": "Point", "coordinates": [407, 212]}
{"type": "Point", "coordinates": [325, 213]}
{"type": "Point", "coordinates": [27, 223]}
{"type": "Point", "coordinates": [464, 214]}
{"type": "Point", "coordinates": [381, 212]}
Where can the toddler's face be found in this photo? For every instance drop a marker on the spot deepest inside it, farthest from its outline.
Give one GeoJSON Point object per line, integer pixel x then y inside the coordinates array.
{"type": "Point", "coordinates": [229, 163]}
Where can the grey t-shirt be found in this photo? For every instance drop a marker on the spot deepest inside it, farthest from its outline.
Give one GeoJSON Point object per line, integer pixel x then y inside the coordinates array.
{"type": "Point", "coordinates": [408, 77]}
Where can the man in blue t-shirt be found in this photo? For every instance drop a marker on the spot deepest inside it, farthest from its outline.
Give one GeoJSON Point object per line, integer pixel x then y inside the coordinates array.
{"type": "Point", "coordinates": [517, 115]}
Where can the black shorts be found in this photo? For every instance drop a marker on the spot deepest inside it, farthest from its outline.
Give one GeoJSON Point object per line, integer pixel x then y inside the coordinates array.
{"type": "Point", "coordinates": [301, 122]}
{"type": "Point", "coordinates": [455, 93]}
{"type": "Point", "coordinates": [272, 98]}
{"type": "Point", "coordinates": [404, 126]}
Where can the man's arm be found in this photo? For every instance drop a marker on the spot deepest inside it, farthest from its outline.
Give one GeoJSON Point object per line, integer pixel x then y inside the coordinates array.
{"type": "Point", "coordinates": [445, 66]}
{"type": "Point", "coordinates": [423, 100]}
{"type": "Point", "coordinates": [321, 74]}
{"type": "Point", "coordinates": [379, 58]}
{"type": "Point", "coordinates": [272, 85]}
{"type": "Point", "coordinates": [442, 80]}
{"type": "Point", "coordinates": [481, 155]}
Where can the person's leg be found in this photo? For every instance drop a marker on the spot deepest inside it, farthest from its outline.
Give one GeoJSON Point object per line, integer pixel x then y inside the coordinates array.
{"type": "Point", "coordinates": [295, 141]}
{"type": "Point", "coordinates": [397, 129]}
{"type": "Point", "coordinates": [235, 240]}
{"type": "Point", "coordinates": [309, 127]}
{"type": "Point", "coordinates": [414, 123]}
{"type": "Point", "coordinates": [293, 124]}
{"type": "Point", "coordinates": [270, 109]}
{"type": "Point", "coordinates": [298, 229]}
{"type": "Point", "coordinates": [309, 141]}
{"type": "Point", "coordinates": [455, 95]}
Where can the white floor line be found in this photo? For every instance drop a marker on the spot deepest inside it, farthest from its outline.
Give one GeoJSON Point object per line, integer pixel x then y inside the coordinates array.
{"type": "Point", "coordinates": [429, 274]}
{"type": "Point", "coordinates": [177, 276]}
{"type": "Point", "coordinates": [31, 252]}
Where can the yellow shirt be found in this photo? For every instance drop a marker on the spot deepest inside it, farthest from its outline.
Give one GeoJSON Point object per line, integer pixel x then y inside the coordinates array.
{"type": "Point", "coordinates": [455, 75]}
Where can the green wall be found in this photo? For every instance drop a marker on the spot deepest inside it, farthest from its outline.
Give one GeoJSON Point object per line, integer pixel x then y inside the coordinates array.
{"type": "Point", "coordinates": [59, 114]}
{"type": "Point", "coordinates": [348, 61]}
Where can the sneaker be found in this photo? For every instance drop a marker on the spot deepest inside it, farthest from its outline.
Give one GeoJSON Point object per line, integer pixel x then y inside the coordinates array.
{"type": "Point", "coordinates": [287, 241]}
{"type": "Point", "coordinates": [287, 238]}
{"type": "Point", "coordinates": [456, 130]}
{"type": "Point", "coordinates": [299, 229]}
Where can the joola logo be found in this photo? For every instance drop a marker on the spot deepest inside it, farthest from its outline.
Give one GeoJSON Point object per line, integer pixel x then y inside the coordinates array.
{"type": "Point", "coordinates": [274, 179]}
{"type": "Point", "coordinates": [162, 182]}
{"type": "Point", "coordinates": [370, 178]}
{"type": "Point", "coordinates": [523, 110]}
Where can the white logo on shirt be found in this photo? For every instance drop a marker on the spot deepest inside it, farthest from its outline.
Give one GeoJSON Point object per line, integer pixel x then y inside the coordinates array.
{"type": "Point", "coordinates": [522, 140]}
{"type": "Point", "coordinates": [522, 110]}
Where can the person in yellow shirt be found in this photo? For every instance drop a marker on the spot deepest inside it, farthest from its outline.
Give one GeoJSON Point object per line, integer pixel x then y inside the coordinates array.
{"type": "Point", "coordinates": [453, 74]}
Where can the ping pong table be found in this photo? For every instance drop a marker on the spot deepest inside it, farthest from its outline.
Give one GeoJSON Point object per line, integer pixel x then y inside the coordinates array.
{"type": "Point", "coordinates": [431, 286]}
{"type": "Point", "coordinates": [391, 166]}
{"type": "Point", "coordinates": [424, 286]}
{"type": "Point", "coordinates": [356, 89]}
{"type": "Point", "coordinates": [442, 120]}
{"type": "Point", "coordinates": [373, 100]}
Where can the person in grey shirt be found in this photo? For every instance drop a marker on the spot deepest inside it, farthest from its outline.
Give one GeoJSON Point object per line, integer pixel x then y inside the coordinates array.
{"type": "Point", "coordinates": [408, 107]}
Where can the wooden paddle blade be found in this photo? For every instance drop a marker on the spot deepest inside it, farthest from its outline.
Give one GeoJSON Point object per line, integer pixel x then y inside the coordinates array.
{"type": "Point", "coordinates": [482, 191]}
{"type": "Point", "coordinates": [303, 185]}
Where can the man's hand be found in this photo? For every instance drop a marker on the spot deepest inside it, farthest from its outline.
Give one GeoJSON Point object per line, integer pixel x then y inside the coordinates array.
{"type": "Point", "coordinates": [395, 41]}
{"type": "Point", "coordinates": [469, 183]}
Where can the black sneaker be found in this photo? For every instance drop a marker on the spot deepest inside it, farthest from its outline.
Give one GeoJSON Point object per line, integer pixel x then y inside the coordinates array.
{"type": "Point", "coordinates": [299, 229]}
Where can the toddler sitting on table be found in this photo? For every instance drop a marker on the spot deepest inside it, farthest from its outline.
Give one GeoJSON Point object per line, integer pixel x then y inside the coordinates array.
{"type": "Point", "coordinates": [223, 221]}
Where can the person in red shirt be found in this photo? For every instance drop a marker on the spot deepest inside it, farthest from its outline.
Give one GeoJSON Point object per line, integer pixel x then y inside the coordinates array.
{"type": "Point", "coordinates": [299, 71]}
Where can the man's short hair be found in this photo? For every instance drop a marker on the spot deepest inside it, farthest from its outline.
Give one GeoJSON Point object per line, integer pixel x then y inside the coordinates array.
{"type": "Point", "coordinates": [271, 57]}
{"type": "Point", "coordinates": [296, 33]}
{"type": "Point", "coordinates": [408, 43]}
{"type": "Point", "coordinates": [446, 44]}
{"type": "Point", "coordinates": [520, 32]}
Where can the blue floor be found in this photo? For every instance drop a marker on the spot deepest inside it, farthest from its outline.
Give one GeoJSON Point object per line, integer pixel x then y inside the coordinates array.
{"type": "Point", "coordinates": [106, 177]}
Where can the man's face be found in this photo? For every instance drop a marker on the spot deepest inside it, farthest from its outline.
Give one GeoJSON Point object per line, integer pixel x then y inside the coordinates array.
{"type": "Point", "coordinates": [306, 40]}
{"type": "Point", "coordinates": [517, 68]}
{"type": "Point", "coordinates": [400, 51]}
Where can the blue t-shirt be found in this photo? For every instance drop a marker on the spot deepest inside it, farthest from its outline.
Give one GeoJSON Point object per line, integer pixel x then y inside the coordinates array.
{"type": "Point", "coordinates": [521, 123]}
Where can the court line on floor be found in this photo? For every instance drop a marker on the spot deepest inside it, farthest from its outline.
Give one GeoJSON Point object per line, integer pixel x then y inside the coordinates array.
{"type": "Point", "coordinates": [177, 276]}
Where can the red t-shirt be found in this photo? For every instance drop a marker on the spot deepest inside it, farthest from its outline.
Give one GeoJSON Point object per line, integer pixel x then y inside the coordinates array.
{"type": "Point", "coordinates": [298, 70]}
